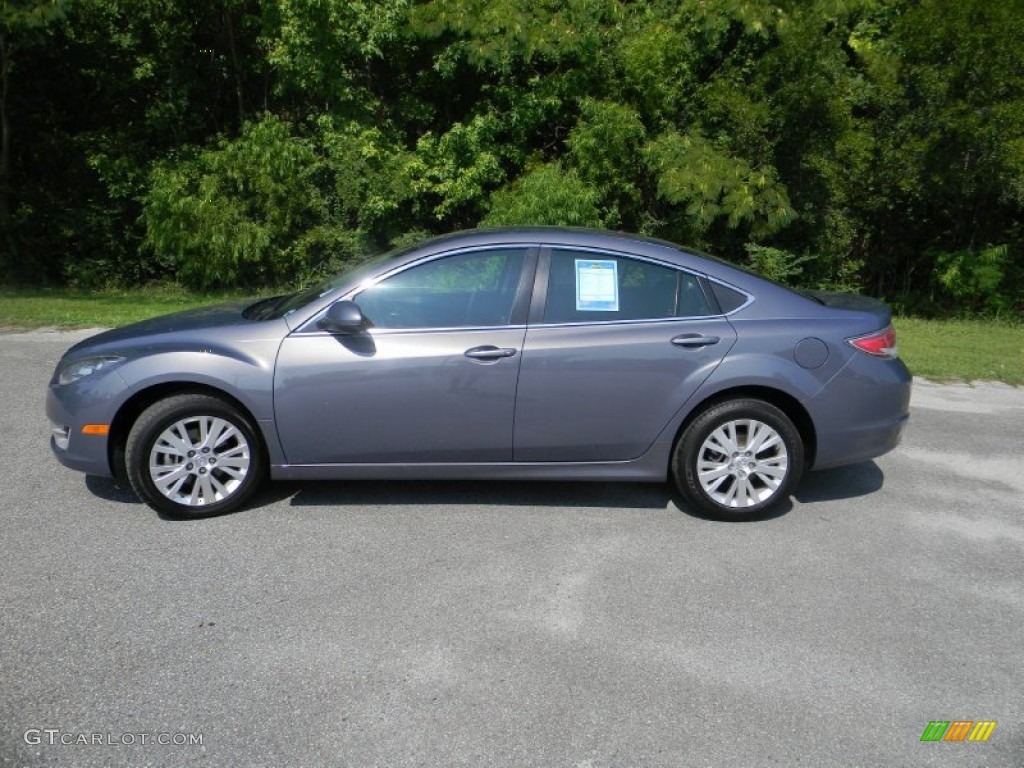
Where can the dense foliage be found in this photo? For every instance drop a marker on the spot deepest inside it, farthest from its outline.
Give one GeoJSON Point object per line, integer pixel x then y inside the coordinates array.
{"type": "Point", "coordinates": [868, 144]}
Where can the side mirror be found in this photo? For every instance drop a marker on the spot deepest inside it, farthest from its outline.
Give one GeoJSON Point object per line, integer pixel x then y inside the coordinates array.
{"type": "Point", "coordinates": [343, 317]}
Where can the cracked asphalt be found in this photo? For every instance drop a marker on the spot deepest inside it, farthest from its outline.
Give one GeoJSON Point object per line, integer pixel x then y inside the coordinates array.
{"type": "Point", "coordinates": [534, 624]}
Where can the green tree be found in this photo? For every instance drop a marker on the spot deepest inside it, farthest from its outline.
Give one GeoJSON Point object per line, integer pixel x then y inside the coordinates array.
{"type": "Point", "coordinates": [712, 185]}
{"type": "Point", "coordinates": [606, 146]}
{"type": "Point", "coordinates": [330, 54]}
{"type": "Point", "coordinates": [23, 24]}
{"type": "Point", "coordinates": [236, 213]}
{"type": "Point", "coordinates": [547, 194]}
{"type": "Point", "coordinates": [871, 144]}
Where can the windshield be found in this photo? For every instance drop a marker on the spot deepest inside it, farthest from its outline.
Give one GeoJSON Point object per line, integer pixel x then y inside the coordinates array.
{"type": "Point", "coordinates": [280, 306]}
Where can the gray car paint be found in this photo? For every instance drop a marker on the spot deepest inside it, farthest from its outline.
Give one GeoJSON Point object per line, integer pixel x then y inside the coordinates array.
{"type": "Point", "coordinates": [642, 397]}
{"type": "Point", "coordinates": [604, 392]}
{"type": "Point", "coordinates": [396, 397]}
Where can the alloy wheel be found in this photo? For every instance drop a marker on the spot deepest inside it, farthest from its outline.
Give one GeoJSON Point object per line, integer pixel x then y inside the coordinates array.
{"type": "Point", "coordinates": [199, 460]}
{"type": "Point", "coordinates": [742, 463]}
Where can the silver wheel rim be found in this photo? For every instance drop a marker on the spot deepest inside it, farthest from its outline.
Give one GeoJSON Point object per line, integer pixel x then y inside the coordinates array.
{"type": "Point", "coordinates": [742, 463]}
{"type": "Point", "coordinates": [199, 460]}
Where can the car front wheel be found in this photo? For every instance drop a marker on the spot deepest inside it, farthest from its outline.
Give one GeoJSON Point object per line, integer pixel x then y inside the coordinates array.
{"type": "Point", "coordinates": [739, 459]}
{"type": "Point", "coordinates": [193, 456]}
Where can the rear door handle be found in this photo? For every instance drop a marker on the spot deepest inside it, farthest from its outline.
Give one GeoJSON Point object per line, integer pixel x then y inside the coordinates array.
{"type": "Point", "coordinates": [489, 352]}
{"type": "Point", "coordinates": [691, 340]}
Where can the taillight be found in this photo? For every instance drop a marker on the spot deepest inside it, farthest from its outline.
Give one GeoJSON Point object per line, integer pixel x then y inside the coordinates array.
{"type": "Point", "coordinates": [880, 343]}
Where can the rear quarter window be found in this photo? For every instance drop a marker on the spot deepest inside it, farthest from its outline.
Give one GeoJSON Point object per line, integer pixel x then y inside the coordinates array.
{"type": "Point", "coordinates": [728, 298]}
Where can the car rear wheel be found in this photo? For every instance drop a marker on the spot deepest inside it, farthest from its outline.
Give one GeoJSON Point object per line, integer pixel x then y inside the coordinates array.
{"type": "Point", "coordinates": [739, 459]}
{"type": "Point", "coordinates": [193, 456]}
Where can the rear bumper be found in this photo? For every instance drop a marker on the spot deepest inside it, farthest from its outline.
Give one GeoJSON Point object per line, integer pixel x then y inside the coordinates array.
{"type": "Point", "coordinates": [861, 412]}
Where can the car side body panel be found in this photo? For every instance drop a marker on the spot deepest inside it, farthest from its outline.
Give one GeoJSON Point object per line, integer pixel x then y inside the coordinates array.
{"type": "Point", "coordinates": [862, 412]}
{"type": "Point", "coordinates": [406, 396]}
{"type": "Point", "coordinates": [234, 358]}
{"type": "Point", "coordinates": [604, 392]}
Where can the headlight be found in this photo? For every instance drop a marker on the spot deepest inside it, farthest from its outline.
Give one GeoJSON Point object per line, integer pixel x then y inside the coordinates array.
{"type": "Point", "coordinates": [84, 367]}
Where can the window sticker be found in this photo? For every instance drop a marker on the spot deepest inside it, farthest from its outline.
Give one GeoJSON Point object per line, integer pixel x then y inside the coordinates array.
{"type": "Point", "coordinates": [597, 285]}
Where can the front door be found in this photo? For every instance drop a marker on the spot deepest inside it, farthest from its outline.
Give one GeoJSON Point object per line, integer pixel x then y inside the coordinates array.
{"type": "Point", "coordinates": [432, 380]}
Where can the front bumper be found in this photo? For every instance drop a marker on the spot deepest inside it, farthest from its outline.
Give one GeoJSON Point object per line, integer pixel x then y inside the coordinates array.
{"type": "Point", "coordinates": [70, 408]}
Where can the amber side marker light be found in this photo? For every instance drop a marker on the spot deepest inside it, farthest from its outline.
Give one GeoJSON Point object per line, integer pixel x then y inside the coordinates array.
{"type": "Point", "coordinates": [96, 429]}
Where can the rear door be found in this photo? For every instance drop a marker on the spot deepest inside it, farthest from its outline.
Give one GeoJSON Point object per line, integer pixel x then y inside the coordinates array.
{"type": "Point", "coordinates": [615, 346]}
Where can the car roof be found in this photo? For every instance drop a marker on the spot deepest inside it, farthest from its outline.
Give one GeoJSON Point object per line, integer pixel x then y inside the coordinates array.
{"type": "Point", "coordinates": [581, 236]}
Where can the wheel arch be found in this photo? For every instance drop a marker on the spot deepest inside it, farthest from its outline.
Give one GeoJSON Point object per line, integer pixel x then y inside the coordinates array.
{"type": "Point", "coordinates": [784, 401]}
{"type": "Point", "coordinates": [133, 407]}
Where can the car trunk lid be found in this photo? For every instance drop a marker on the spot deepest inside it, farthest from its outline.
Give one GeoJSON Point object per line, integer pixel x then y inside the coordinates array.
{"type": "Point", "coordinates": [879, 310]}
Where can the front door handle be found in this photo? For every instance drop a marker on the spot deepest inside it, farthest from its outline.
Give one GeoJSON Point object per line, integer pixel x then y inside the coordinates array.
{"type": "Point", "coordinates": [691, 340]}
{"type": "Point", "coordinates": [489, 352]}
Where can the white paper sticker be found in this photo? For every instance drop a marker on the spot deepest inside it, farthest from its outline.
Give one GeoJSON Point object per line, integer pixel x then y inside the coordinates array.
{"type": "Point", "coordinates": [597, 285]}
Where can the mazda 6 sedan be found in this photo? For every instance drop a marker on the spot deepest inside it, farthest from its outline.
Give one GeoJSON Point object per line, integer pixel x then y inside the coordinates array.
{"type": "Point", "coordinates": [540, 353]}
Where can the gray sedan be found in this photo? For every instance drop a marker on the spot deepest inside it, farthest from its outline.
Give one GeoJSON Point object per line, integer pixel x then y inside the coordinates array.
{"type": "Point", "coordinates": [537, 353]}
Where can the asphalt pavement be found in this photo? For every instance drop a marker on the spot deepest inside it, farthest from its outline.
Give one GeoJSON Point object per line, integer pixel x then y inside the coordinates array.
{"type": "Point", "coordinates": [503, 624]}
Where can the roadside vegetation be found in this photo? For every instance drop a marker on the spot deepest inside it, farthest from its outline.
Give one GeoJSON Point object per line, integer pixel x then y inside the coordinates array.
{"type": "Point", "coordinates": [874, 145]}
{"type": "Point", "coordinates": [967, 350]}
{"type": "Point", "coordinates": [76, 308]}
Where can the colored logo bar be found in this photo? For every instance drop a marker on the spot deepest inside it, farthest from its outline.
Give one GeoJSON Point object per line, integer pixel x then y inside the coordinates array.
{"type": "Point", "coordinates": [958, 730]}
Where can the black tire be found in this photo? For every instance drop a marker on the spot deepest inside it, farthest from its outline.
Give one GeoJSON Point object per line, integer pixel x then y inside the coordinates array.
{"type": "Point", "coordinates": [758, 480]}
{"type": "Point", "coordinates": [227, 489]}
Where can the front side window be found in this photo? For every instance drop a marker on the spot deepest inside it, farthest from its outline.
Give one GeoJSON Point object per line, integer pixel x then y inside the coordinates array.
{"type": "Point", "coordinates": [585, 286]}
{"type": "Point", "coordinates": [467, 290]}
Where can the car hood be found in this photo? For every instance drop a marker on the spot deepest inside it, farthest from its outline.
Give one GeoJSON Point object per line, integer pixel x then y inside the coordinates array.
{"type": "Point", "coordinates": [190, 320]}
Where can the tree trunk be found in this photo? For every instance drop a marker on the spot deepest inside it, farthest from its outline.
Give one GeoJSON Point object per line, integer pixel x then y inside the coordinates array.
{"type": "Point", "coordinates": [8, 247]}
{"type": "Point", "coordinates": [5, 138]}
{"type": "Point", "coordinates": [229, 24]}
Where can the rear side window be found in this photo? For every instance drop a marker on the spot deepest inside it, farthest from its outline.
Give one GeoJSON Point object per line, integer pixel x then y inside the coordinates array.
{"type": "Point", "coordinates": [586, 287]}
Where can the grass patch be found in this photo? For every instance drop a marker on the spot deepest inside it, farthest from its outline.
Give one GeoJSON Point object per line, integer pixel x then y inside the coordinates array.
{"type": "Point", "coordinates": [962, 349]}
{"type": "Point", "coordinates": [935, 349]}
{"type": "Point", "coordinates": [70, 308]}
